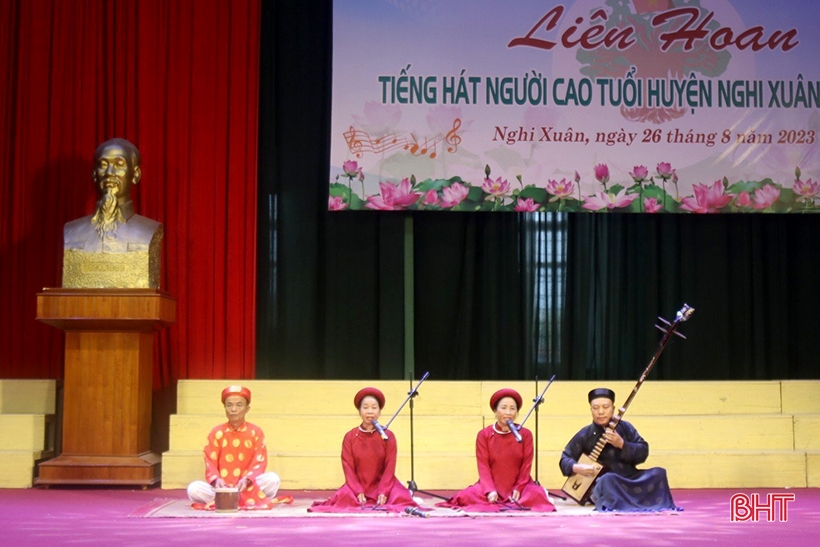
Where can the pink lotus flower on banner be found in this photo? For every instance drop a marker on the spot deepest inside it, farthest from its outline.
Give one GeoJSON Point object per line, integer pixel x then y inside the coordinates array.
{"type": "Point", "coordinates": [707, 199]}
{"type": "Point", "coordinates": [602, 173]}
{"type": "Point", "coordinates": [560, 190]}
{"type": "Point", "coordinates": [526, 205]}
{"type": "Point", "coordinates": [743, 200]}
{"type": "Point", "coordinates": [665, 170]}
{"type": "Point", "coordinates": [608, 200]}
{"type": "Point", "coordinates": [639, 173]}
{"type": "Point", "coordinates": [453, 195]}
{"type": "Point", "coordinates": [497, 187]}
{"type": "Point", "coordinates": [431, 198]}
{"type": "Point", "coordinates": [766, 196]}
{"type": "Point", "coordinates": [651, 205]}
{"type": "Point", "coordinates": [336, 203]}
{"type": "Point", "coordinates": [379, 203]}
{"type": "Point", "coordinates": [806, 190]}
{"type": "Point", "coordinates": [394, 197]}
{"type": "Point", "coordinates": [351, 169]}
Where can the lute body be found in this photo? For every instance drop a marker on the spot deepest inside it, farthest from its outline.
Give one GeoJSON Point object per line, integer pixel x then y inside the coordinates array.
{"type": "Point", "coordinates": [579, 487]}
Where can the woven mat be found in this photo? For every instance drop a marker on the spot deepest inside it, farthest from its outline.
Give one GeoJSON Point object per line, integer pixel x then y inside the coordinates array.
{"type": "Point", "coordinates": [177, 508]}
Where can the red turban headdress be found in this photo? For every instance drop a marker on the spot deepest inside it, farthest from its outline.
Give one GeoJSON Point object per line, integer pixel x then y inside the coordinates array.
{"type": "Point", "coordinates": [501, 393]}
{"type": "Point", "coordinates": [369, 392]}
{"type": "Point", "coordinates": [236, 390]}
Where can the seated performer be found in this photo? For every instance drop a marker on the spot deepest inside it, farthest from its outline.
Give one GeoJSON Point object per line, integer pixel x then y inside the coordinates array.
{"type": "Point", "coordinates": [236, 456]}
{"type": "Point", "coordinates": [504, 481]}
{"type": "Point", "coordinates": [620, 486]}
{"type": "Point", "coordinates": [369, 465]}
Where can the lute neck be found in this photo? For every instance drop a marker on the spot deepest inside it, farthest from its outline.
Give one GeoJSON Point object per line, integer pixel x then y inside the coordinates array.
{"type": "Point", "coordinates": [613, 423]}
{"type": "Point", "coordinates": [682, 315]}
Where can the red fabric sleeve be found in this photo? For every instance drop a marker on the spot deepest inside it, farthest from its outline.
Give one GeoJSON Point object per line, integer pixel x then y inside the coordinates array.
{"type": "Point", "coordinates": [260, 455]}
{"type": "Point", "coordinates": [348, 463]}
{"type": "Point", "coordinates": [211, 452]}
{"type": "Point", "coordinates": [526, 462]}
{"type": "Point", "coordinates": [482, 456]}
{"type": "Point", "coordinates": [390, 450]}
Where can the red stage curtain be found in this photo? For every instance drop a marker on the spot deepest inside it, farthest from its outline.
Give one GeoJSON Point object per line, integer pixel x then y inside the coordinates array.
{"type": "Point", "coordinates": [180, 79]}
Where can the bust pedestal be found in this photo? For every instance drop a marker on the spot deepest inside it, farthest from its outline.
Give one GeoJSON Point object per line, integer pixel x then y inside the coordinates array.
{"type": "Point", "coordinates": [109, 354]}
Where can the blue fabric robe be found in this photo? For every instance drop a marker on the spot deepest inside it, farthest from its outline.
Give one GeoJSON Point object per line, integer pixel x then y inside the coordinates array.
{"type": "Point", "coordinates": [621, 486]}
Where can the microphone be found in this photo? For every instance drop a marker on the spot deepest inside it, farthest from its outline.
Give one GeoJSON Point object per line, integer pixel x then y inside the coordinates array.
{"type": "Point", "coordinates": [514, 430]}
{"type": "Point", "coordinates": [416, 512]}
{"type": "Point", "coordinates": [381, 431]}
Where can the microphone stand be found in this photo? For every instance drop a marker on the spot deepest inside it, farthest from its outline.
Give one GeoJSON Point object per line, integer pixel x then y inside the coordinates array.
{"type": "Point", "coordinates": [411, 395]}
{"type": "Point", "coordinates": [539, 399]}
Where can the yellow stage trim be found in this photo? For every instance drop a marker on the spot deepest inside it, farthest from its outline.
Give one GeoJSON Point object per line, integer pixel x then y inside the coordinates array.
{"type": "Point", "coordinates": [708, 434]}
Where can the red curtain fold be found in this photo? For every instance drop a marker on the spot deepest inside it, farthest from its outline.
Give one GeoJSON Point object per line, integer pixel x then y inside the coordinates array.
{"type": "Point", "coordinates": [180, 79]}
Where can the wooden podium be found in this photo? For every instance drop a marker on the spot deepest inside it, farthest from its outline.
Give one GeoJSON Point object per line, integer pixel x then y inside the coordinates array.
{"type": "Point", "coordinates": [109, 355]}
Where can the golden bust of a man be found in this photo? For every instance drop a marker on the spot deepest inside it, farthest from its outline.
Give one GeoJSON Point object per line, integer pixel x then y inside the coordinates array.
{"type": "Point", "coordinates": [114, 247]}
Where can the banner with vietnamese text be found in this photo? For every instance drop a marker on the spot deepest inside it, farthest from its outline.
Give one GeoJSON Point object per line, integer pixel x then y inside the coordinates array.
{"type": "Point", "coordinates": [645, 106]}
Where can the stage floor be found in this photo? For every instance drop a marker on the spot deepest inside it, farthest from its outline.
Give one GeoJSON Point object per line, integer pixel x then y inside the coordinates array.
{"type": "Point", "coordinates": [92, 517]}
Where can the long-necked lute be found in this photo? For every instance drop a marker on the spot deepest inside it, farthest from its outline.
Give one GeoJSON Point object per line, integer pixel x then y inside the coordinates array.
{"type": "Point", "coordinates": [579, 487]}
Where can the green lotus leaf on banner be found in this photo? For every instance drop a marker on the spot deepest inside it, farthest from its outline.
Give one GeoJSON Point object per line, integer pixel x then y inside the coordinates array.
{"type": "Point", "coordinates": [475, 194]}
{"type": "Point", "coordinates": [488, 205]}
{"type": "Point", "coordinates": [636, 206]}
{"type": "Point", "coordinates": [615, 189]}
{"type": "Point", "coordinates": [566, 206]}
{"type": "Point", "coordinates": [436, 184]}
{"type": "Point", "coordinates": [747, 186]}
{"type": "Point", "coordinates": [786, 201]}
{"type": "Point", "coordinates": [354, 202]}
{"type": "Point", "coordinates": [538, 195]}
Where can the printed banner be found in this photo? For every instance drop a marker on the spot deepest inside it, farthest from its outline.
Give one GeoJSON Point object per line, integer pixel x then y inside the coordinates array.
{"type": "Point", "coordinates": [645, 106]}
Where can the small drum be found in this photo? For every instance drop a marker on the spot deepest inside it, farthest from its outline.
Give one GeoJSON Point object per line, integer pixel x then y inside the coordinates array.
{"type": "Point", "coordinates": [226, 500]}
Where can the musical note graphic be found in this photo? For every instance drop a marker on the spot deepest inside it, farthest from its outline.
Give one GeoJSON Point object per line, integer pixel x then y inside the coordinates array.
{"type": "Point", "coordinates": [360, 142]}
{"type": "Point", "coordinates": [452, 137]}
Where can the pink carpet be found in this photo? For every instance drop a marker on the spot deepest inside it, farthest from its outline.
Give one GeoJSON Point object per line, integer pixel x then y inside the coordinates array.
{"type": "Point", "coordinates": [92, 517]}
